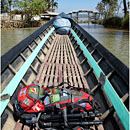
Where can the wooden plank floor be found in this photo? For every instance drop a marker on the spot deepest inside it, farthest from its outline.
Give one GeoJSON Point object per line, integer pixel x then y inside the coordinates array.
{"type": "Point", "coordinates": [60, 64]}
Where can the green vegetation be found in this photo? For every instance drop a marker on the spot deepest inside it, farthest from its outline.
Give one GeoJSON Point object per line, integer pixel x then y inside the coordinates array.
{"type": "Point", "coordinates": [81, 21]}
{"type": "Point", "coordinates": [117, 22]}
{"type": "Point", "coordinates": [93, 21]}
{"type": "Point", "coordinates": [112, 22]}
{"type": "Point", "coordinates": [28, 8]}
{"type": "Point", "coordinates": [125, 22]}
{"type": "Point", "coordinates": [108, 7]}
{"type": "Point", "coordinates": [97, 22]}
{"type": "Point", "coordinates": [111, 9]}
{"type": "Point", "coordinates": [4, 6]}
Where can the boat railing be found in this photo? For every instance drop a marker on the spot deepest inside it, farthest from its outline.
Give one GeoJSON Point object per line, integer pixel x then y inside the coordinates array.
{"type": "Point", "coordinates": [102, 70]}
{"type": "Point", "coordinates": [107, 69]}
{"type": "Point", "coordinates": [9, 56]}
{"type": "Point", "coordinates": [24, 54]}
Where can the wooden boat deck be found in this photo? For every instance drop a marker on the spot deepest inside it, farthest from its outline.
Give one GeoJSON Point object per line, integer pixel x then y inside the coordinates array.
{"type": "Point", "coordinates": [60, 64]}
{"type": "Point", "coordinates": [46, 58]}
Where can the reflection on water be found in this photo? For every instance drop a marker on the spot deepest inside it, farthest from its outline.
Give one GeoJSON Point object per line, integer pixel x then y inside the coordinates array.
{"type": "Point", "coordinates": [10, 37]}
{"type": "Point", "coordinates": [116, 41]}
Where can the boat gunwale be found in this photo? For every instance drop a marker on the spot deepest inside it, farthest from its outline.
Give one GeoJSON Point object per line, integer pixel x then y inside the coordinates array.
{"type": "Point", "coordinates": [114, 62]}
{"type": "Point", "coordinates": [107, 86]}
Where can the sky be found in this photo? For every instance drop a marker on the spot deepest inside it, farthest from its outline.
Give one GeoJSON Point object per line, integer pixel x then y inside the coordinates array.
{"type": "Point", "coordinates": [73, 5]}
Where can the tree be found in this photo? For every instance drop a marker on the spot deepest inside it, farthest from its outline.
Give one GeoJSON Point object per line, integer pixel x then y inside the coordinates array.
{"type": "Point", "coordinates": [10, 3]}
{"type": "Point", "coordinates": [31, 7]}
{"type": "Point", "coordinates": [125, 8]}
{"type": "Point", "coordinates": [52, 5]}
{"type": "Point", "coordinates": [112, 5]}
{"type": "Point", "coordinates": [4, 6]}
{"type": "Point", "coordinates": [108, 7]}
{"type": "Point", "coordinates": [128, 5]}
{"type": "Point", "coordinates": [100, 7]}
{"type": "Point", "coordinates": [48, 4]}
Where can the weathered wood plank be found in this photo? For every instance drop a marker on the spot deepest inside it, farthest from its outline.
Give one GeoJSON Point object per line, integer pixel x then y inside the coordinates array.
{"type": "Point", "coordinates": [52, 75]}
{"type": "Point", "coordinates": [53, 52]}
{"type": "Point", "coordinates": [79, 78]}
{"type": "Point", "coordinates": [45, 84]}
{"type": "Point", "coordinates": [26, 127]}
{"type": "Point", "coordinates": [65, 74]}
{"type": "Point", "coordinates": [45, 60]}
{"type": "Point", "coordinates": [71, 53]}
{"type": "Point", "coordinates": [85, 84]}
{"type": "Point", "coordinates": [49, 69]}
{"type": "Point", "coordinates": [60, 73]}
{"type": "Point", "coordinates": [65, 54]}
{"type": "Point", "coordinates": [74, 77]}
{"type": "Point", "coordinates": [61, 51]}
{"type": "Point", "coordinates": [56, 75]}
{"type": "Point", "coordinates": [74, 53]}
{"type": "Point", "coordinates": [43, 75]}
{"type": "Point", "coordinates": [69, 74]}
{"type": "Point", "coordinates": [18, 125]}
{"type": "Point", "coordinates": [58, 55]}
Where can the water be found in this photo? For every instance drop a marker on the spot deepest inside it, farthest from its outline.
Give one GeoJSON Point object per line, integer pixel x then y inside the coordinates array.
{"type": "Point", "coordinates": [116, 41]}
{"type": "Point", "coordinates": [11, 37]}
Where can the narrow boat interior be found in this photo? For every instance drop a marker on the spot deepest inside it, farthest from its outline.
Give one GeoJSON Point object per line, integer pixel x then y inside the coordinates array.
{"type": "Point", "coordinates": [62, 59]}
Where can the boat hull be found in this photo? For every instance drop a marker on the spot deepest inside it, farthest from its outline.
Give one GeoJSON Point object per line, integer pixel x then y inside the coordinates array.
{"type": "Point", "coordinates": [65, 58]}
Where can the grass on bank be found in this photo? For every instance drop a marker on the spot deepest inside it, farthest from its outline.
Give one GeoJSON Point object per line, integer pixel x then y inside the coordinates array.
{"type": "Point", "coordinates": [117, 22]}
{"type": "Point", "coordinates": [113, 22]}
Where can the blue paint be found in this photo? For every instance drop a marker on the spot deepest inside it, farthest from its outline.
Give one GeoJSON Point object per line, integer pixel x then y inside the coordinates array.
{"type": "Point", "coordinates": [23, 91]}
{"type": "Point", "coordinates": [119, 106]}
{"type": "Point", "coordinates": [26, 118]}
{"type": "Point", "coordinates": [93, 63]}
{"type": "Point", "coordinates": [11, 87]}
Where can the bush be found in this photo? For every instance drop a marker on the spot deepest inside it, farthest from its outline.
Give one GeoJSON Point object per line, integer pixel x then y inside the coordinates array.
{"type": "Point", "coordinates": [32, 24]}
{"type": "Point", "coordinates": [113, 22]}
{"type": "Point", "coordinates": [125, 22]}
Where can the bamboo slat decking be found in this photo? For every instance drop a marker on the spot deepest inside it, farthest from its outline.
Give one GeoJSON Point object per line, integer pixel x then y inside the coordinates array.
{"type": "Point", "coordinates": [60, 64]}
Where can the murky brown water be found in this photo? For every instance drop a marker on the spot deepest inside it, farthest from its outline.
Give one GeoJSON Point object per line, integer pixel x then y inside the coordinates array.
{"type": "Point", "coordinates": [116, 41]}
{"type": "Point", "coordinates": [11, 37]}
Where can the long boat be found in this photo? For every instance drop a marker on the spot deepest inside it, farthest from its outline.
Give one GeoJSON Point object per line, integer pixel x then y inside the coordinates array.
{"type": "Point", "coordinates": [46, 58]}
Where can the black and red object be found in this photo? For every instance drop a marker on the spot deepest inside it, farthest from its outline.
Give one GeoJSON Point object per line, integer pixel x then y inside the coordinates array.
{"type": "Point", "coordinates": [63, 107]}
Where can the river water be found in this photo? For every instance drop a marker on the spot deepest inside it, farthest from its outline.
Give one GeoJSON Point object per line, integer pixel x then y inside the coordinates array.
{"type": "Point", "coordinates": [116, 41]}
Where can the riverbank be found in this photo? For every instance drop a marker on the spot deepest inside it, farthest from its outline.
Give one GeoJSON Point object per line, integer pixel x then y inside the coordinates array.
{"type": "Point", "coordinates": [93, 22]}
{"type": "Point", "coordinates": [117, 22]}
{"type": "Point", "coordinates": [113, 22]}
{"type": "Point", "coordinates": [21, 24]}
